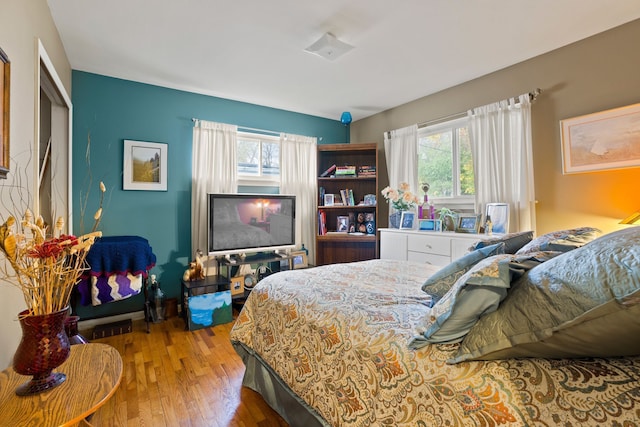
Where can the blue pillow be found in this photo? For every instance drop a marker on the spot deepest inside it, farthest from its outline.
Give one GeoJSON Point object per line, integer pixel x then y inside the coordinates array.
{"type": "Point", "coordinates": [441, 281]}
{"type": "Point", "coordinates": [479, 291]}
{"type": "Point", "coordinates": [562, 240]}
{"type": "Point", "coordinates": [512, 241]}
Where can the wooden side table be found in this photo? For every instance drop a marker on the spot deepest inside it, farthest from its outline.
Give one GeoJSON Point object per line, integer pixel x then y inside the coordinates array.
{"type": "Point", "coordinates": [93, 375]}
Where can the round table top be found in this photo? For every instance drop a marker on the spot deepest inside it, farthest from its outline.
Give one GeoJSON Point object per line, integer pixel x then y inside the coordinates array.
{"type": "Point", "coordinates": [93, 375]}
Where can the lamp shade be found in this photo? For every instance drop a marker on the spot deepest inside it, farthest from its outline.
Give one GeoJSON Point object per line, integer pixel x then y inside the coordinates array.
{"type": "Point", "coordinates": [346, 118]}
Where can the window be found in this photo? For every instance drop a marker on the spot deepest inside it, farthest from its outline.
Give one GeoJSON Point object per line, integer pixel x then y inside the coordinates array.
{"type": "Point", "coordinates": [444, 161]}
{"type": "Point", "coordinates": [258, 157]}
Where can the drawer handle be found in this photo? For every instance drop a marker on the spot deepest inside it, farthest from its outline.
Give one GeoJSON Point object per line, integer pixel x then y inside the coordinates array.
{"type": "Point", "coordinates": [428, 246]}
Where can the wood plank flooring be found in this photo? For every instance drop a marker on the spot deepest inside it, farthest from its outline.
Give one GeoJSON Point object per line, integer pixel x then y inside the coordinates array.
{"type": "Point", "coordinates": [174, 377]}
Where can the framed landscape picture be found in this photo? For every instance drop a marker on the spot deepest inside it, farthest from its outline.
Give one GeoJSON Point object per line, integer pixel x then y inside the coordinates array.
{"type": "Point", "coordinates": [599, 141]}
{"type": "Point", "coordinates": [145, 166]}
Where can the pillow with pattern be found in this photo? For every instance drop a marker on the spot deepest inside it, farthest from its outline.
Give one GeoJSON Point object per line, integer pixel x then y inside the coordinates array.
{"type": "Point", "coordinates": [512, 241]}
{"type": "Point", "coordinates": [440, 282]}
{"type": "Point", "coordinates": [476, 292]}
{"type": "Point", "coordinates": [582, 303]}
{"type": "Point", "coordinates": [562, 240]}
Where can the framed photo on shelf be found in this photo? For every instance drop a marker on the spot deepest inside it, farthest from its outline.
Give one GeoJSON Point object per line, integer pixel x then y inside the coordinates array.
{"type": "Point", "coordinates": [328, 199]}
{"type": "Point", "coordinates": [145, 166]}
{"type": "Point", "coordinates": [499, 214]}
{"type": "Point", "coordinates": [342, 223]}
{"type": "Point", "coordinates": [429, 225]}
{"type": "Point", "coordinates": [468, 223]}
{"type": "Point", "coordinates": [237, 285]}
{"type": "Point", "coordinates": [299, 260]}
{"type": "Point", "coordinates": [407, 220]}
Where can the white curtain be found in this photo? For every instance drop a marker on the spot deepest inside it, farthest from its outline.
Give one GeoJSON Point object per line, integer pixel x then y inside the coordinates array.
{"type": "Point", "coordinates": [401, 151]}
{"type": "Point", "coordinates": [213, 171]}
{"type": "Point", "coordinates": [298, 176]}
{"type": "Point", "coordinates": [500, 136]}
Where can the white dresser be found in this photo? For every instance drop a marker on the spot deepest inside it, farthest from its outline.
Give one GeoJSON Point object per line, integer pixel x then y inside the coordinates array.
{"type": "Point", "coordinates": [432, 247]}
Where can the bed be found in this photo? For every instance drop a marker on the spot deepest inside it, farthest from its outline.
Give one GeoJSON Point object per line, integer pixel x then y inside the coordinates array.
{"type": "Point", "coordinates": [553, 339]}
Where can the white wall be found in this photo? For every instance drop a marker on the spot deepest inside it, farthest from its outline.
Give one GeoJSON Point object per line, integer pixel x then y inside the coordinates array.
{"type": "Point", "coordinates": [22, 23]}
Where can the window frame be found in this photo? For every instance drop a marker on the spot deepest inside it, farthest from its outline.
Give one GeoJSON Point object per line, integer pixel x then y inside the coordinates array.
{"type": "Point", "coordinates": [458, 202]}
{"type": "Point", "coordinates": [259, 180]}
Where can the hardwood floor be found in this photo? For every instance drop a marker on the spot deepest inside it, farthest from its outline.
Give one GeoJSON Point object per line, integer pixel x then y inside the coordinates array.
{"type": "Point", "coordinates": [174, 377]}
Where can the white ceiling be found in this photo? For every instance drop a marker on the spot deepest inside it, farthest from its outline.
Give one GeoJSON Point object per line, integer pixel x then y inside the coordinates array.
{"type": "Point", "coordinates": [253, 50]}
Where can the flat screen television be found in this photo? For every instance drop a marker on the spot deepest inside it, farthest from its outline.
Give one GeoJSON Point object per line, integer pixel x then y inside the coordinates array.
{"type": "Point", "coordinates": [250, 223]}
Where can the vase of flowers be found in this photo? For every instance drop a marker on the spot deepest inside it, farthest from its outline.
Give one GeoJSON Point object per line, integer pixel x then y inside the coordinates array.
{"type": "Point", "coordinates": [45, 265]}
{"type": "Point", "coordinates": [44, 346]}
{"type": "Point", "coordinates": [400, 200]}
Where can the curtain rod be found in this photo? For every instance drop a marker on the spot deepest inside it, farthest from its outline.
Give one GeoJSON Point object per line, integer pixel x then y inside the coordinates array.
{"type": "Point", "coordinates": [244, 128]}
{"type": "Point", "coordinates": [533, 95]}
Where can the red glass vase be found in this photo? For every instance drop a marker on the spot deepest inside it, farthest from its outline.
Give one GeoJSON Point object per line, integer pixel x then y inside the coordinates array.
{"type": "Point", "coordinates": [44, 346]}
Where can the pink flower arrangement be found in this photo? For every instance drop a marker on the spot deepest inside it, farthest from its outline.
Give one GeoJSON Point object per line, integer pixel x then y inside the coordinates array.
{"type": "Point", "coordinates": [401, 199]}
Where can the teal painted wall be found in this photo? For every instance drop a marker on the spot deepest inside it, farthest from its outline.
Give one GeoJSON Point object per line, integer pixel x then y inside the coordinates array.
{"type": "Point", "coordinates": [107, 111]}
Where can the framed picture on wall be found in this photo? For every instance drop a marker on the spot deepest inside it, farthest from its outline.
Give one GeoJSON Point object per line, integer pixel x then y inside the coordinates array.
{"type": "Point", "coordinates": [145, 166]}
{"type": "Point", "coordinates": [5, 74]}
{"type": "Point", "coordinates": [603, 140]}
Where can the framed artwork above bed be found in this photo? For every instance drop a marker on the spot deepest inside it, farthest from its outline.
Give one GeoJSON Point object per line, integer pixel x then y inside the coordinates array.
{"type": "Point", "coordinates": [600, 141]}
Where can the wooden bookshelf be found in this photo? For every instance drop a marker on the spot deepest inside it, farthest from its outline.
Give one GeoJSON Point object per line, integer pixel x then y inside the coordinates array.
{"type": "Point", "coordinates": [334, 246]}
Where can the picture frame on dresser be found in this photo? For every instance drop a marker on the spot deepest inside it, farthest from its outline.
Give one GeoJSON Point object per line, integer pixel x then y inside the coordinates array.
{"type": "Point", "coordinates": [407, 220]}
{"type": "Point", "coordinates": [429, 225]}
{"type": "Point", "coordinates": [499, 214]}
{"type": "Point", "coordinates": [468, 223]}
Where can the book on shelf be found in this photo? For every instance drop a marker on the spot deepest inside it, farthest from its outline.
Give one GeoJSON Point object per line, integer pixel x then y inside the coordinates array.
{"type": "Point", "coordinates": [328, 171]}
{"type": "Point", "coordinates": [345, 171]}
{"type": "Point", "coordinates": [366, 171]}
{"type": "Point", "coordinates": [347, 197]}
{"type": "Point", "coordinates": [322, 223]}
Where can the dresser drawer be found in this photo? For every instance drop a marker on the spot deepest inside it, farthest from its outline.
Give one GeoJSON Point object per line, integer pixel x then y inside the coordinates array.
{"type": "Point", "coordinates": [430, 244]}
{"type": "Point", "coordinates": [440, 260]}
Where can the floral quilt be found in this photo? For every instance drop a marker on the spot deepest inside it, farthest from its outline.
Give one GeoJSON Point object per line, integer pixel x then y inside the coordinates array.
{"type": "Point", "coordinates": [338, 336]}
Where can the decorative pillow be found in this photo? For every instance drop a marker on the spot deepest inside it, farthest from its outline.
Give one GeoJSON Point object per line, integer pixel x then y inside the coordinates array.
{"type": "Point", "coordinates": [583, 303]}
{"type": "Point", "coordinates": [563, 240]}
{"type": "Point", "coordinates": [512, 241]}
{"type": "Point", "coordinates": [440, 282]}
{"type": "Point", "coordinates": [477, 292]}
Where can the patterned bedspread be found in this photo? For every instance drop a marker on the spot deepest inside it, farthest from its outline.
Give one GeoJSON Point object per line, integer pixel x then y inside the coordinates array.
{"type": "Point", "coordinates": [338, 334]}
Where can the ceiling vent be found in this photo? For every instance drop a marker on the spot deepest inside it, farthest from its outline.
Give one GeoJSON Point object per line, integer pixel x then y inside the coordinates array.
{"type": "Point", "coordinates": [329, 47]}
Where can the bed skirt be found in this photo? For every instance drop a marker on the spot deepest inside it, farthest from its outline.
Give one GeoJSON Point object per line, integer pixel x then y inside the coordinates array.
{"type": "Point", "coordinates": [258, 376]}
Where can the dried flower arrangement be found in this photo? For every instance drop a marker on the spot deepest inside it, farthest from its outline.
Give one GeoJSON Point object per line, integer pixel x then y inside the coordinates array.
{"type": "Point", "coordinates": [45, 264]}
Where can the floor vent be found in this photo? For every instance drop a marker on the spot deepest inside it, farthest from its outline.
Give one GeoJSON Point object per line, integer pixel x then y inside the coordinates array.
{"type": "Point", "coordinates": [111, 329]}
